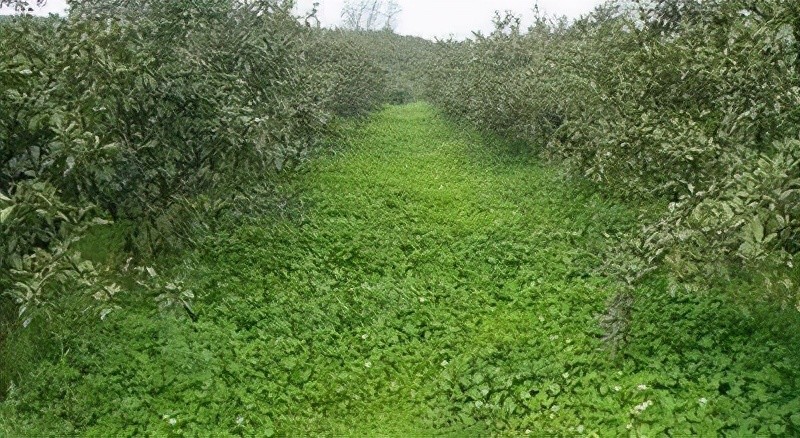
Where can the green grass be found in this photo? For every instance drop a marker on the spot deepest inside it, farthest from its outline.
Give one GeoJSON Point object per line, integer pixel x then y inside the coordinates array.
{"type": "Point", "coordinates": [434, 283]}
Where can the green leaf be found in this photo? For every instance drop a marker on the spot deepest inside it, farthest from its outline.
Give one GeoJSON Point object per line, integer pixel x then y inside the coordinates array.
{"type": "Point", "coordinates": [5, 213]}
{"type": "Point", "coordinates": [269, 428]}
{"type": "Point", "coordinates": [758, 230]}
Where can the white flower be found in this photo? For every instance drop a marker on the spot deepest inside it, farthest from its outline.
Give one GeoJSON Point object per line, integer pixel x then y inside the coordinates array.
{"type": "Point", "coordinates": [364, 336]}
{"type": "Point", "coordinates": [642, 387]}
{"type": "Point", "coordinates": [617, 388]}
{"type": "Point", "coordinates": [629, 426]}
{"type": "Point", "coordinates": [422, 299]}
{"type": "Point", "coordinates": [368, 364]}
{"type": "Point", "coordinates": [172, 421]}
{"type": "Point", "coordinates": [638, 409]}
{"type": "Point", "coordinates": [581, 429]}
{"type": "Point", "coordinates": [528, 431]}
{"type": "Point", "coordinates": [26, 72]}
{"type": "Point", "coordinates": [702, 400]}
{"type": "Point", "coordinates": [239, 420]}
{"type": "Point", "coordinates": [565, 375]}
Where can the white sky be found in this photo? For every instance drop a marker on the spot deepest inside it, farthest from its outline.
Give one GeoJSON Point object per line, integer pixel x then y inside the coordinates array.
{"type": "Point", "coordinates": [442, 18]}
{"type": "Point", "coordinates": [434, 18]}
{"type": "Point", "coordinates": [52, 6]}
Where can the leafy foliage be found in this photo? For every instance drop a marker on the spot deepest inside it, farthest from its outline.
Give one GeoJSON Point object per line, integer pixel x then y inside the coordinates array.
{"type": "Point", "coordinates": [690, 102]}
{"type": "Point", "coordinates": [405, 61]}
{"type": "Point", "coordinates": [158, 114]}
{"type": "Point", "coordinates": [433, 286]}
{"type": "Point", "coordinates": [424, 264]}
{"type": "Point", "coordinates": [357, 84]}
{"type": "Point", "coordinates": [166, 118]}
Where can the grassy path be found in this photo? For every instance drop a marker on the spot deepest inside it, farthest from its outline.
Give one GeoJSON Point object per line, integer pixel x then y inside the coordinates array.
{"type": "Point", "coordinates": [433, 285]}
{"type": "Point", "coordinates": [444, 276]}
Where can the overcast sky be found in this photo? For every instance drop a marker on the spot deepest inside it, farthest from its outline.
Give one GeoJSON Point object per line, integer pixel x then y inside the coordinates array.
{"type": "Point", "coordinates": [435, 18]}
{"type": "Point", "coordinates": [442, 18]}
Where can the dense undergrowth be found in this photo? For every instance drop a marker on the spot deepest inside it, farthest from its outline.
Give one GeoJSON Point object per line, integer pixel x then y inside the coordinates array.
{"type": "Point", "coordinates": [693, 104]}
{"type": "Point", "coordinates": [164, 118]}
{"type": "Point", "coordinates": [417, 277]}
{"type": "Point", "coordinates": [434, 281]}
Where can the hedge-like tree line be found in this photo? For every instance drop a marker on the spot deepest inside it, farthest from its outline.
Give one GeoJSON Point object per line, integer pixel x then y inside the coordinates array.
{"type": "Point", "coordinates": [159, 115]}
{"type": "Point", "coordinates": [686, 102]}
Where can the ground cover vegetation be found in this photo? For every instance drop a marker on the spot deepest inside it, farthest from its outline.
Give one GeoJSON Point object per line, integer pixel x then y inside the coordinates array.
{"type": "Point", "coordinates": [592, 231]}
{"type": "Point", "coordinates": [690, 103]}
{"type": "Point", "coordinates": [158, 117]}
{"type": "Point", "coordinates": [429, 285]}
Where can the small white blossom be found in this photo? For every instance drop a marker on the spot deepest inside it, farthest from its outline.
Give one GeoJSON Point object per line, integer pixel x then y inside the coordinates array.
{"type": "Point", "coordinates": [617, 388]}
{"type": "Point", "coordinates": [528, 431]}
{"type": "Point", "coordinates": [565, 375]}
{"type": "Point", "coordinates": [638, 409]}
{"type": "Point", "coordinates": [422, 299]}
{"type": "Point", "coordinates": [364, 336]}
{"type": "Point", "coordinates": [580, 429]}
{"type": "Point", "coordinates": [239, 420]}
{"type": "Point", "coordinates": [172, 421]}
{"type": "Point", "coordinates": [368, 364]}
{"type": "Point", "coordinates": [629, 426]}
{"type": "Point", "coordinates": [642, 387]}
{"type": "Point", "coordinates": [702, 400]}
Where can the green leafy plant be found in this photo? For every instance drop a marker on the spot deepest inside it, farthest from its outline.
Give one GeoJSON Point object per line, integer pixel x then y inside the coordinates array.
{"type": "Point", "coordinates": [660, 101]}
